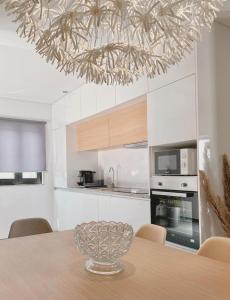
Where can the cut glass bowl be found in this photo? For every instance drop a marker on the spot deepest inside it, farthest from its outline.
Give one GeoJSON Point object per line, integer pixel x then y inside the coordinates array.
{"type": "Point", "coordinates": [104, 243]}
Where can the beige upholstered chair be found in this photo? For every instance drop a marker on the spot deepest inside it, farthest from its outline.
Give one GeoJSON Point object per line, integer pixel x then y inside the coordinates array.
{"type": "Point", "coordinates": [216, 248]}
{"type": "Point", "coordinates": [25, 227]}
{"type": "Point", "coordinates": [153, 233]}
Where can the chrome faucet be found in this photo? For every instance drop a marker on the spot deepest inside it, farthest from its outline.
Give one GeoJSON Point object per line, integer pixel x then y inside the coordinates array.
{"type": "Point", "coordinates": [118, 168]}
{"type": "Point", "coordinates": [111, 169]}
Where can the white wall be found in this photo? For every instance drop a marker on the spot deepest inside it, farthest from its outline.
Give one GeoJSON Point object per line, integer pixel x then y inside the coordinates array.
{"type": "Point", "coordinates": [131, 166]}
{"type": "Point", "coordinates": [27, 200]}
{"type": "Point", "coordinates": [213, 116]}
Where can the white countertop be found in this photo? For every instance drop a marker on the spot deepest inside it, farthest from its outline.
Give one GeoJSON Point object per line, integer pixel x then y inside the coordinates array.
{"type": "Point", "coordinates": [100, 191]}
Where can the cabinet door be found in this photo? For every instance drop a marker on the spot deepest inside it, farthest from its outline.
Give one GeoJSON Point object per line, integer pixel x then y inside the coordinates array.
{"type": "Point", "coordinates": [59, 151]}
{"type": "Point", "coordinates": [104, 208]}
{"type": "Point", "coordinates": [93, 134]}
{"type": "Point", "coordinates": [129, 124]}
{"type": "Point", "coordinates": [105, 97]}
{"type": "Point", "coordinates": [73, 208]}
{"type": "Point", "coordinates": [88, 100]}
{"type": "Point", "coordinates": [172, 113]}
{"type": "Point", "coordinates": [73, 107]}
{"type": "Point", "coordinates": [185, 68]}
{"type": "Point", "coordinates": [131, 91]}
{"type": "Point", "coordinates": [89, 207]}
{"type": "Point", "coordinates": [132, 211]}
{"type": "Point", "coordinates": [59, 113]}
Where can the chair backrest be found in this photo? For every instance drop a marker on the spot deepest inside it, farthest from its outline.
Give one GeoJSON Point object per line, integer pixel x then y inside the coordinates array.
{"type": "Point", "coordinates": [153, 233]}
{"type": "Point", "coordinates": [25, 227]}
{"type": "Point", "coordinates": [217, 248]}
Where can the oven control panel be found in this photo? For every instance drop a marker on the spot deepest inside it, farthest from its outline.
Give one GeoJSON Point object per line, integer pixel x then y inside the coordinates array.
{"type": "Point", "coordinates": [179, 183]}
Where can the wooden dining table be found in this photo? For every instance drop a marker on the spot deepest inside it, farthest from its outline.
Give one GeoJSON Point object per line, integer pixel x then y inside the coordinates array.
{"type": "Point", "coordinates": [50, 267]}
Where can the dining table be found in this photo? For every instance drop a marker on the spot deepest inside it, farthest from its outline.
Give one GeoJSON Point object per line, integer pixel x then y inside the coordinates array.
{"type": "Point", "coordinates": [50, 267]}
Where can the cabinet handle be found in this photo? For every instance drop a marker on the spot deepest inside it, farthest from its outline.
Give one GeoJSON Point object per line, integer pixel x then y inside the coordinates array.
{"type": "Point", "coordinates": [160, 183]}
{"type": "Point", "coordinates": [184, 184]}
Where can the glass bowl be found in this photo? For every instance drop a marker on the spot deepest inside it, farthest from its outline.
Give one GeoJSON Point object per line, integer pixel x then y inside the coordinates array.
{"type": "Point", "coordinates": [104, 243]}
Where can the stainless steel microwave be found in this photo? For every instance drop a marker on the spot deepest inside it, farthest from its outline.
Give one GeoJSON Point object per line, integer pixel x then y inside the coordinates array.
{"type": "Point", "coordinates": [176, 162]}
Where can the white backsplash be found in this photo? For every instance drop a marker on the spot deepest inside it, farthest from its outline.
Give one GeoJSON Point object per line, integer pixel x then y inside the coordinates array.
{"type": "Point", "coordinates": [131, 167]}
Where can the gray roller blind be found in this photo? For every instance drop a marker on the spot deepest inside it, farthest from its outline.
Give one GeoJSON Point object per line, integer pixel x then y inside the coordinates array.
{"type": "Point", "coordinates": [22, 146]}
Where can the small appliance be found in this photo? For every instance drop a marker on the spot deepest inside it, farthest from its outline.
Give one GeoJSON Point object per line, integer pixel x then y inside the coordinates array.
{"type": "Point", "coordinates": [87, 179]}
{"type": "Point", "coordinates": [176, 162]}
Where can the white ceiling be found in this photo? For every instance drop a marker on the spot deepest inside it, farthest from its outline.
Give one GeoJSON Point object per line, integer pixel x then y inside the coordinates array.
{"type": "Point", "coordinates": [24, 75]}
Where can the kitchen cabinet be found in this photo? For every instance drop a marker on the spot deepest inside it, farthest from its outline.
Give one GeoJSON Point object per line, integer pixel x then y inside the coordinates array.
{"type": "Point", "coordinates": [88, 100]}
{"type": "Point", "coordinates": [172, 113]}
{"type": "Point", "coordinates": [59, 155]}
{"type": "Point", "coordinates": [59, 113]}
{"type": "Point", "coordinates": [129, 124]}
{"type": "Point", "coordinates": [73, 208]}
{"type": "Point", "coordinates": [129, 210]}
{"type": "Point", "coordinates": [126, 125]}
{"type": "Point", "coordinates": [185, 68]}
{"type": "Point", "coordinates": [104, 208]}
{"type": "Point", "coordinates": [73, 106]}
{"type": "Point", "coordinates": [106, 97]}
{"type": "Point", "coordinates": [93, 134]}
{"type": "Point", "coordinates": [131, 91]}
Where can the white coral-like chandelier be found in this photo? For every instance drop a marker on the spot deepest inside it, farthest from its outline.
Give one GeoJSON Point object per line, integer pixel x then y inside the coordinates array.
{"type": "Point", "coordinates": [113, 41]}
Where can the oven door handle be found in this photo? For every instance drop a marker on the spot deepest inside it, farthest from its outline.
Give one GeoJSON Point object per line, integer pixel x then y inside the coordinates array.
{"type": "Point", "coordinates": [169, 194]}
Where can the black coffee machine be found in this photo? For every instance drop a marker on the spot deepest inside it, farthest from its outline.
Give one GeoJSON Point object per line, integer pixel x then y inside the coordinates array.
{"type": "Point", "coordinates": [86, 178]}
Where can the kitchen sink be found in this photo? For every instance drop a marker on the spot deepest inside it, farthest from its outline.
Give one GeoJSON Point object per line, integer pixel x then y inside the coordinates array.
{"type": "Point", "coordinates": [126, 190]}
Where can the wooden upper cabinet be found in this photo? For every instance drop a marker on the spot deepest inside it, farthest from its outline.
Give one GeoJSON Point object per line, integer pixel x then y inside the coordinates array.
{"type": "Point", "coordinates": [93, 134]}
{"type": "Point", "coordinates": [126, 125]}
{"type": "Point", "coordinates": [129, 124]}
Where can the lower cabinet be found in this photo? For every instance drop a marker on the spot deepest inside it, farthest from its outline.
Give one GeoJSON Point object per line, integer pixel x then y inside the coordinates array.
{"type": "Point", "coordinates": [135, 212]}
{"type": "Point", "coordinates": [73, 208]}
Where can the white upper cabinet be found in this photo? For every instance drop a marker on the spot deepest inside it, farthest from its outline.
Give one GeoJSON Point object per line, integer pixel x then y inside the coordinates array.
{"type": "Point", "coordinates": [185, 68]}
{"type": "Point", "coordinates": [131, 91]}
{"type": "Point", "coordinates": [59, 113]}
{"type": "Point", "coordinates": [172, 113]}
{"type": "Point", "coordinates": [88, 100]}
{"type": "Point", "coordinates": [73, 107]}
{"type": "Point", "coordinates": [106, 97]}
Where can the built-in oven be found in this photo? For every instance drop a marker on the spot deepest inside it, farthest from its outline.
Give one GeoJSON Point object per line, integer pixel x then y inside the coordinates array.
{"type": "Point", "coordinates": [177, 211]}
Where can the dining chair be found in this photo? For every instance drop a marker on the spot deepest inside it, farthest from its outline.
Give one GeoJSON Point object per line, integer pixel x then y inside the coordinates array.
{"type": "Point", "coordinates": [32, 226]}
{"type": "Point", "coordinates": [153, 233]}
{"type": "Point", "coordinates": [217, 248]}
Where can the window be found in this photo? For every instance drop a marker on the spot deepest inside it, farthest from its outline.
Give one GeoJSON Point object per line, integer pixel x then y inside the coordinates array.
{"type": "Point", "coordinates": [21, 178]}
{"type": "Point", "coordinates": [22, 151]}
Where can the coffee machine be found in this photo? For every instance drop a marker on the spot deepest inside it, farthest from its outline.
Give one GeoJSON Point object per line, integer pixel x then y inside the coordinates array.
{"type": "Point", "coordinates": [86, 178]}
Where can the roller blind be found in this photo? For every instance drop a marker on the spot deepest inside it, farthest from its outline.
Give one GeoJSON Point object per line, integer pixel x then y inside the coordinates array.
{"type": "Point", "coordinates": [22, 146]}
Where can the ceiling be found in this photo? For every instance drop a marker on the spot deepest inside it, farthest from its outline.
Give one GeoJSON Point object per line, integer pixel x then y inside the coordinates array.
{"type": "Point", "coordinates": [24, 75]}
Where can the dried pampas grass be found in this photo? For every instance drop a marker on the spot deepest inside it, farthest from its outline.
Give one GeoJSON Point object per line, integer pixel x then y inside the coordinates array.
{"type": "Point", "coordinates": [221, 206]}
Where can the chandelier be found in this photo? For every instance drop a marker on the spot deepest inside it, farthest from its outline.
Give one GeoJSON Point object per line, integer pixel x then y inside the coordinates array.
{"type": "Point", "coordinates": [112, 41]}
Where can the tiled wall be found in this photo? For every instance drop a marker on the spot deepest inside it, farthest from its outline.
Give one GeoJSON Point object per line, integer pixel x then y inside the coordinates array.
{"type": "Point", "coordinates": [131, 166]}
